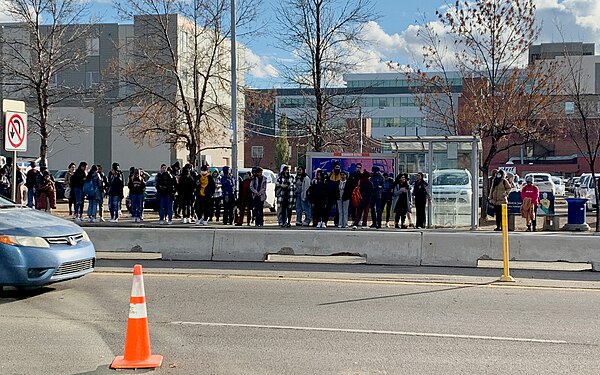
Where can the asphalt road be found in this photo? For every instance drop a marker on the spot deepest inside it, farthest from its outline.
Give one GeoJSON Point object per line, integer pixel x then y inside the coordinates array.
{"type": "Point", "coordinates": [259, 324]}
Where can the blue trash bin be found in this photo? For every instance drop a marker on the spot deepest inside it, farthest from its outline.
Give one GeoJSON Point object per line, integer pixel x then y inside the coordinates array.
{"type": "Point", "coordinates": [576, 207]}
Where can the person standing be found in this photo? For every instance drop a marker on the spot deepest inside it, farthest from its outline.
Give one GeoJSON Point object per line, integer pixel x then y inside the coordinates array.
{"type": "Point", "coordinates": [137, 186]}
{"type": "Point", "coordinates": [353, 180]}
{"type": "Point", "coordinates": [165, 193]}
{"type": "Point", "coordinates": [217, 196]}
{"type": "Point", "coordinates": [386, 197]}
{"type": "Point", "coordinates": [302, 204]}
{"type": "Point", "coordinates": [104, 180]}
{"type": "Point", "coordinates": [185, 194]}
{"type": "Point", "coordinates": [30, 183]}
{"type": "Point", "coordinates": [319, 196]}
{"type": "Point", "coordinates": [245, 200]}
{"type": "Point", "coordinates": [286, 193]}
{"type": "Point", "coordinates": [115, 192]}
{"type": "Point", "coordinates": [403, 197]}
{"type": "Point", "coordinates": [530, 195]}
{"type": "Point", "coordinates": [228, 192]}
{"type": "Point", "coordinates": [4, 183]}
{"type": "Point", "coordinates": [69, 194]}
{"type": "Point", "coordinates": [365, 187]}
{"type": "Point", "coordinates": [343, 201]}
{"type": "Point", "coordinates": [176, 172]}
{"type": "Point", "coordinates": [499, 196]}
{"type": "Point", "coordinates": [20, 184]}
{"type": "Point", "coordinates": [94, 195]}
{"type": "Point", "coordinates": [377, 203]}
{"type": "Point", "coordinates": [259, 195]}
{"type": "Point", "coordinates": [421, 197]}
{"type": "Point", "coordinates": [205, 188]}
{"type": "Point", "coordinates": [77, 181]}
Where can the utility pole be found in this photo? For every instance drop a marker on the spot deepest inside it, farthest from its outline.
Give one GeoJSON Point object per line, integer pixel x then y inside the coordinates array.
{"type": "Point", "coordinates": [234, 138]}
{"type": "Point", "coordinates": [361, 128]}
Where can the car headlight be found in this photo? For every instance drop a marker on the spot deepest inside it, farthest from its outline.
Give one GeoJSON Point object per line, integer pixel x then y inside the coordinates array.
{"type": "Point", "coordinates": [85, 236]}
{"type": "Point", "coordinates": [24, 241]}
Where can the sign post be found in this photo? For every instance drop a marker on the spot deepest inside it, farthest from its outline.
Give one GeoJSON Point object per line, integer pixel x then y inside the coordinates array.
{"type": "Point", "coordinates": [15, 135]}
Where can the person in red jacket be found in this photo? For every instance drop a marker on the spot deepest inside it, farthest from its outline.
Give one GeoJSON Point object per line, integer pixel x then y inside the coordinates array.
{"type": "Point", "coordinates": [533, 193]}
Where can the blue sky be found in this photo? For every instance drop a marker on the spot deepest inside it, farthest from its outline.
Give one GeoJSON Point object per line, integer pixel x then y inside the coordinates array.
{"type": "Point", "coordinates": [392, 37]}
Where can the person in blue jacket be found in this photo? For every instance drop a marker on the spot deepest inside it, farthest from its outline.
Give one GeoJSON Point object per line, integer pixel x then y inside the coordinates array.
{"type": "Point", "coordinates": [228, 190]}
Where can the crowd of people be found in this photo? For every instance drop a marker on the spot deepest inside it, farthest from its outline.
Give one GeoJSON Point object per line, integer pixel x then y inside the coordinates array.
{"type": "Point", "coordinates": [196, 197]}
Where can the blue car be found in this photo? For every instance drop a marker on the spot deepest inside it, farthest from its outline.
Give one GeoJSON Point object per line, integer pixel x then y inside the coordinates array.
{"type": "Point", "coordinates": [38, 249]}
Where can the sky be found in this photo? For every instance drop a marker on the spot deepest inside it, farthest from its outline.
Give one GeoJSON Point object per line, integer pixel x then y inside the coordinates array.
{"type": "Point", "coordinates": [393, 36]}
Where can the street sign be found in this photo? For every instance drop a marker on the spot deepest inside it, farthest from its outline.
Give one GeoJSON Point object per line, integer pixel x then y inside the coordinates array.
{"type": "Point", "coordinates": [15, 134]}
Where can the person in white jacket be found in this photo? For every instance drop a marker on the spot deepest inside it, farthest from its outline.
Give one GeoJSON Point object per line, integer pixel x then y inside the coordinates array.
{"type": "Point", "coordinates": [302, 203]}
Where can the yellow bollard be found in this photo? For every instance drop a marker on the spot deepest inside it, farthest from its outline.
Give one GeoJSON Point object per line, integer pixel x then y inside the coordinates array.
{"type": "Point", "coordinates": [506, 275]}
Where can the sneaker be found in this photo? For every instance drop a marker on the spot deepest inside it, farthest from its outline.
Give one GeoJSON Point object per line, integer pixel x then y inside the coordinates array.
{"type": "Point", "coordinates": [354, 227]}
{"type": "Point", "coordinates": [184, 220]}
{"type": "Point", "coordinates": [199, 222]}
{"type": "Point", "coordinates": [170, 222]}
{"type": "Point", "coordinates": [102, 219]}
{"type": "Point", "coordinates": [95, 220]}
{"type": "Point", "coordinates": [161, 222]}
{"type": "Point", "coordinates": [324, 225]}
{"type": "Point", "coordinates": [205, 222]}
{"type": "Point", "coordinates": [364, 227]}
{"type": "Point", "coordinates": [298, 224]}
{"type": "Point", "coordinates": [111, 220]}
{"type": "Point", "coordinates": [89, 219]}
{"type": "Point", "coordinates": [116, 220]}
{"type": "Point", "coordinates": [387, 225]}
{"type": "Point", "coordinates": [134, 219]}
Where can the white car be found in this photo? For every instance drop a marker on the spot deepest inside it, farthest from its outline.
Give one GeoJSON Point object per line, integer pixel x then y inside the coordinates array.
{"type": "Point", "coordinates": [560, 185]}
{"type": "Point", "coordinates": [452, 186]}
{"type": "Point", "coordinates": [586, 189]}
{"type": "Point", "coordinates": [543, 181]}
{"type": "Point", "coordinates": [271, 202]}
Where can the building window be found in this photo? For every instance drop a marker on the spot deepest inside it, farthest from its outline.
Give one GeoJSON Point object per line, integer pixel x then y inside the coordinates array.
{"type": "Point", "coordinates": [569, 108]}
{"type": "Point", "coordinates": [93, 46]}
{"type": "Point", "coordinates": [55, 80]}
{"type": "Point", "coordinates": [598, 107]}
{"type": "Point", "coordinates": [183, 42]}
{"type": "Point", "coordinates": [92, 79]}
{"type": "Point", "coordinates": [258, 152]}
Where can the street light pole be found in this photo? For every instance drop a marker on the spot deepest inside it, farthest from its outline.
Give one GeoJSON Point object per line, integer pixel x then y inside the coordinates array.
{"type": "Point", "coordinates": [234, 140]}
{"type": "Point", "coordinates": [361, 128]}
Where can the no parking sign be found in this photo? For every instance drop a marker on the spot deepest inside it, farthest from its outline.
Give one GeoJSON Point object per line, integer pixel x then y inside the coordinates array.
{"type": "Point", "coordinates": [15, 131]}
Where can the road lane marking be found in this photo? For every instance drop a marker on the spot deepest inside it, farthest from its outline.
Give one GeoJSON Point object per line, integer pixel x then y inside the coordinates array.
{"type": "Point", "coordinates": [492, 283]}
{"type": "Point", "coordinates": [372, 331]}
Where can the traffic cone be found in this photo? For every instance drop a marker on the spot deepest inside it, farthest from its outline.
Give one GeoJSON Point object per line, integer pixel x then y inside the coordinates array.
{"type": "Point", "coordinates": [137, 340]}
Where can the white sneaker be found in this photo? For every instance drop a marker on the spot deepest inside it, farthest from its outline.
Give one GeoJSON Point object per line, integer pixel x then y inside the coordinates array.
{"type": "Point", "coordinates": [184, 221]}
{"type": "Point", "coordinates": [134, 219]}
{"type": "Point", "coordinates": [323, 225]}
{"type": "Point", "coordinates": [111, 221]}
{"type": "Point", "coordinates": [102, 219]}
{"type": "Point", "coordinates": [339, 226]}
{"type": "Point", "coordinates": [365, 227]}
{"type": "Point", "coordinates": [204, 222]}
{"type": "Point", "coordinates": [161, 222]}
{"type": "Point", "coordinates": [199, 222]}
{"type": "Point", "coordinates": [354, 227]}
{"type": "Point", "coordinates": [170, 222]}
{"type": "Point", "coordinates": [95, 220]}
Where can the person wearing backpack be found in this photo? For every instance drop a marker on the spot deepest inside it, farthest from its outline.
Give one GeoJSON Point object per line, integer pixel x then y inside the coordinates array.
{"type": "Point", "coordinates": [115, 192]}
{"type": "Point", "coordinates": [30, 184]}
{"type": "Point", "coordinates": [165, 194]}
{"type": "Point", "coordinates": [93, 190]}
{"type": "Point", "coordinates": [76, 182]}
{"type": "Point", "coordinates": [361, 196]}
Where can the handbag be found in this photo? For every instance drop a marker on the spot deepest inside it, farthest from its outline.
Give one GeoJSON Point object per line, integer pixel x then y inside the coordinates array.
{"type": "Point", "coordinates": [490, 209]}
{"type": "Point", "coordinates": [68, 192]}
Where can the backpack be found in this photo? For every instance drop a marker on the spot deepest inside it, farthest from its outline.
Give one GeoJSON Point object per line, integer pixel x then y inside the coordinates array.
{"type": "Point", "coordinates": [89, 190]}
{"type": "Point", "coordinates": [356, 196]}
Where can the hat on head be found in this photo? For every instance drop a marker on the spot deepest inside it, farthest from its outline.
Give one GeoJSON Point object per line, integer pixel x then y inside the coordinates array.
{"type": "Point", "coordinates": [204, 168]}
{"type": "Point", "coordinates": [115, 166]}
{"type": "Point", "coordinates": [529, 179]}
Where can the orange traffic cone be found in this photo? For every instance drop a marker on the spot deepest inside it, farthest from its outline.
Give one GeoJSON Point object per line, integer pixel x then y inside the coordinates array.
{"type": "Point", "coordinates": [137, 341]}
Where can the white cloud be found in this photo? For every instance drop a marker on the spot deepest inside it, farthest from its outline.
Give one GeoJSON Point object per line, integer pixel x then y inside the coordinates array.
{"type": "Point", "coordinates": [258, 66]}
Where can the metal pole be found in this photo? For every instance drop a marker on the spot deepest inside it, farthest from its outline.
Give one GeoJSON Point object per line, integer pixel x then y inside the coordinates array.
{"type": "Point", "coordinates": [430, 184]}
{"type": "Point", "coordinates": [506, 274]}
{"type": "Point", "coordinates": [14, 177]}
{"type": "Point", "coordinates": [361, 129]}
{"type": "Point", "coordinates": [234, 141]}
{"type": "Point", "coordinates": [474, 183]}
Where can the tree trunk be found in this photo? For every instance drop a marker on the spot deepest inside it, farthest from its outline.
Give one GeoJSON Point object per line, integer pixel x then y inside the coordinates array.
{"type": "Point", "coordinates": [193, 153]}
{"type": "Point", "coordinates": [43, 143]}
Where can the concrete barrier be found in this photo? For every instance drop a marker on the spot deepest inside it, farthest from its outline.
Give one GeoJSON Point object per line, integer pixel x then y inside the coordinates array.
{"type": "Point", "coordinates": [410, 248]}
{"type": "Point", "coordinates": [174, 244]}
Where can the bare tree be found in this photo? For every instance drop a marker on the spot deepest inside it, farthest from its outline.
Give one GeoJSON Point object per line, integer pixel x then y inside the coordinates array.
{"type": "Point", "coordinates": [504, 102]}
{"type": "Point", "coordinates": [48, 38]}
{"type": "Point", "coordinates": [176, 78]}
{"type": "Point", "coordinates": [581, 122]}
{"type": "Point", "coordinates": [319, 33]}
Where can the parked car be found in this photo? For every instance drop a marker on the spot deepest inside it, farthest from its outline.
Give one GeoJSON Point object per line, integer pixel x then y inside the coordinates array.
{"type": "Point", "coordinates": [59, 182]}
{"type": "Point", "coordinates": [586, 190]}
{"type": "Point", "coordinates": [37, 248]}
{"type": "Point", "coordinates": [560, 186]}
{"type": "Point", "coordinates": [452, 186]}
{"type": "Point", "coordinates": [572, 184]}
{"type": "Point", "coordinates": [543, 181]}
{"type": "Point", "coordinates": [271, 202]}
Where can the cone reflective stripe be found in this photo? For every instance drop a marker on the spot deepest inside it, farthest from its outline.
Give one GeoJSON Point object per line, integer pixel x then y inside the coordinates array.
{"type": "Point", "coordinates": [137, 340]}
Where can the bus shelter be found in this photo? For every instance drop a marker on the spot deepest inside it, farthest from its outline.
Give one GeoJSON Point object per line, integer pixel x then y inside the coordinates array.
{"type": "Point", "coordinates": [451, 167]}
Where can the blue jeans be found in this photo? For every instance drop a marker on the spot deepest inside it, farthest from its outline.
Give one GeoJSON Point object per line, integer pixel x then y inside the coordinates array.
{"type": "Point", "coordinates": [302, 206]}
{"type": "Point", "coordinates": [114, 203]}
{"type": "Point", "coordinates": [78, 201]}
{"type": "Point", "coordinates": [166, 207]}
{"type": "Point", "coordinates": [135, 201]}
{"type": "Point", "coordinates": [30, 196]}
{"type": "Point", "coordinates": [93, 208]}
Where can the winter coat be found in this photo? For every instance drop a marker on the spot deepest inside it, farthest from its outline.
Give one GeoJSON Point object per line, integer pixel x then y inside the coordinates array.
{"type": "Point", "coordinates": [185, 188]}
{"type": "Point", "coordinates": [319, 194]}
{"type": "Point", "coordinates": [227, 183]}
{"type": "Point", "coordinates": [532, 192]}
{"type": "Point", "coordinates": [259, 188]}
{"type": "Point", "coordinates": [302, 185]}
{"type": "Point", "coordinates": [47, 196]}
{"type": "Point", "coordinates": [402, 191]}
{"type": "Point", "coordinates": [377, 181]}
{"type": "Point", "coordinates": [78, 179]}
{"type": "Point", "coordinates": [420, 191]}
{"type": "Point", "coordinates": [166, 184]}
{"type": "Point", "coordinates": [4, 185]}
{"type": "Point", "coordinates": [499, 194]}
{"type": "Point", "coordinates": [115, 184]}
{"type": "Point", "coordinates": [245, 192]}
{"type": "Point", "coordinates": [290, 191]}
{"type": "Point", "coordinates": [209, 190]}
{"type": "Point", "coordinates": [366, 190]}
{"type": "Point", "coordinates": [344, 191]}
{"type": "Point", "coordinates": [136, 186]}
{"type": "Point", "coordinates": [98, 187]}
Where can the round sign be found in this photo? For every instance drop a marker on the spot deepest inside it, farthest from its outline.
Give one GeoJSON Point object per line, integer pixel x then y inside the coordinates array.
{"type": "Point", "coordinates": [16, 130]}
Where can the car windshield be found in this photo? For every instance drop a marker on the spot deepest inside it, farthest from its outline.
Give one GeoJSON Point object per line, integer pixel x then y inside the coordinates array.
{"type": "Point", "coordinates": [557, 180]}
{"type": "Point", "coordinates": [453, 178]}
{"type": "Point", "coordinates": [60, 174]}
{"type": "Point", "coordinates": [151, 181]}
{"type": "Point", "coordinates": [541, 179]}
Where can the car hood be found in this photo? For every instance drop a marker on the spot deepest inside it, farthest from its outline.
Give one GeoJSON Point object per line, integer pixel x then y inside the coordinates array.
{"type": "Point", "coordinates": [29, 222]}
